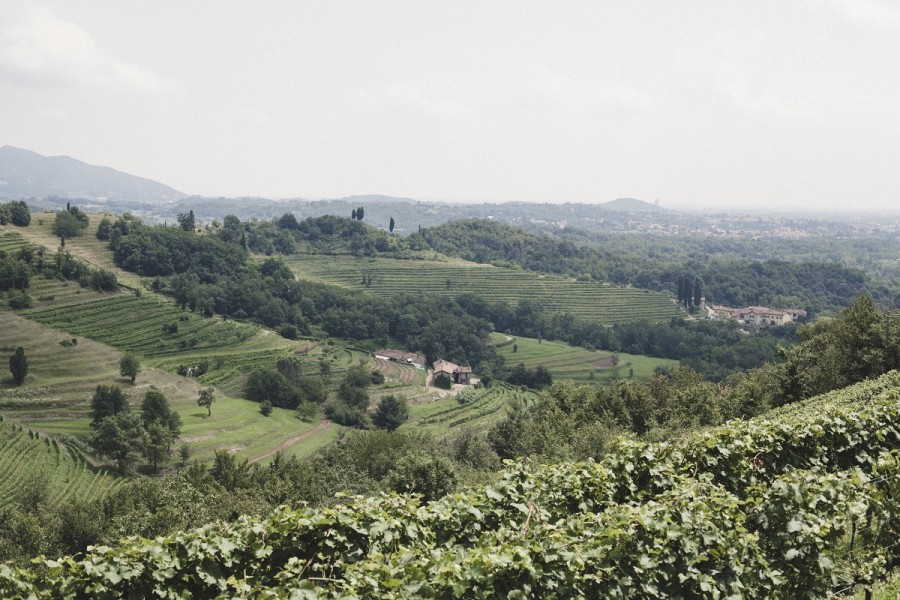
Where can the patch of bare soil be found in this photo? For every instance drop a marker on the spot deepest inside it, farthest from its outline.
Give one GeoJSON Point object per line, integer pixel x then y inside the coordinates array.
{"type": "Point", "coordinates": [604, 363]}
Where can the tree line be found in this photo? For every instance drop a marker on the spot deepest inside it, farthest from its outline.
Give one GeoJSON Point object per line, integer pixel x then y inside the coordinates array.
{"type": "Point", "coordinates": [211, 274]}
{"type": "Point", "coordinates": [15, 212]}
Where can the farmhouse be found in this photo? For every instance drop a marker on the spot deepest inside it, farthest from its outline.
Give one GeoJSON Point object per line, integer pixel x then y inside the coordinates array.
{"type": "Point", "coordinates": [456, 373]}
{"type": "Point", "coordinates": [760, 316]}
{"type": "Point", "coordinates": [399, 356]}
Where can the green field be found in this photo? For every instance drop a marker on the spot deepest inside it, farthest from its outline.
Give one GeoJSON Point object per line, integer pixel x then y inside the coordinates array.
{"type": "Point", "coordinates": [28, 458]}
{"type": "Point", "coordinates": [606, 304]}
{"type": "Point", "coordinates": [581, 365]}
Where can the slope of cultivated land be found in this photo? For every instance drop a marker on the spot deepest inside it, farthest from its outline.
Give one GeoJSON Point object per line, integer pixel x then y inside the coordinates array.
{"type": "Point", "coordinates": [61, 378]}
{"type": "Point", "coordinates": [579, 364]}
{"type": "Point", "coordinates": [230, 367]}
{"type": "Point", "coordinates": [796, 504]}
{"type": "Point", "coordinates": [472, 407]}
{"type": "Point", "coordinates": [401, 380]}
{"type": "Point", "coordinates": [134, 324]}
{"type": "Point", "coordinates": [28, 458]}
{"type": "Point", "coordinates": [606, 304]}
{"type": "Point", "coordinates": [48, 292]}
{"type": "Point", "coordinates": [55, 397]}
{"type": "Point", "coordinates": [10, 238]}
{"type": "Point", "coordinates": [86, 246]}
{"type": "Point", "coordinates": [124, 322]}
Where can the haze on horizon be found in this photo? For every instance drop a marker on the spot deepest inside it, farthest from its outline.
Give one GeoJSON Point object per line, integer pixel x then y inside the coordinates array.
{"type": "Point", "coordinates": [788, 105]}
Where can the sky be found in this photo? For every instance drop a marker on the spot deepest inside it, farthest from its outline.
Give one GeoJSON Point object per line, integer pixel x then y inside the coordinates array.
{"type": "Point", "coordinates": [787, 104]}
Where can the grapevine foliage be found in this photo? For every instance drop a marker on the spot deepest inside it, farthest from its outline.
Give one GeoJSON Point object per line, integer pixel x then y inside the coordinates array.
{"type": "Point", "coordinates": [791, 505]}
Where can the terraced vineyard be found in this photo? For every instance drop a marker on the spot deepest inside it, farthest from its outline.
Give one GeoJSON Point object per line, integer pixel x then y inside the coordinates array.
{"type": "Point", "coordinates": [69, 323]}
{"type": "Point", "coordinates": [228, 370]}
{"type": "Point", "coordinates": [10, 240]}
{"type": "Point", "coordinates": [134, 324]}
{"type": "Point", "coordinates": [55, 398]}
{"type": "Point", "coordinates": [607, 304]}
{"type": "Point", "coordinates": [402, 380]}
{"type": "Point", "coordinates": [472, 407]}
{"type": "Point", "coordinates": [579, 364]}
{"type": "Point", "coordinates": [26, 457]}
{"type": "Point", "coordinates": [53, 292]}
{"type": "Point", "coordinates": [64, 369]}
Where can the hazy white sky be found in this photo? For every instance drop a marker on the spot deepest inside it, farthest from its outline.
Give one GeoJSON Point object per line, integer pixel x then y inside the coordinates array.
{"type": "Point", "coordinates": [786, 104]}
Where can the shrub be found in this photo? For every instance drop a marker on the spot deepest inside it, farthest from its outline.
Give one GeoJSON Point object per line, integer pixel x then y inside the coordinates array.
{"type": "Point", "coordinates": [289, 332]}
{"type": "Point", "coordinates": [442, 380]}
{"type": "Point", "coordinates": [21, 301]}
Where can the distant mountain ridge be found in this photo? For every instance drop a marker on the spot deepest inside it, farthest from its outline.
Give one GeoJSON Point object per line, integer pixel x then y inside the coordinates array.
{"type": "Point", "coordinates": [26, 174]}
{"type": "Point", "coordinates": [630, 205]}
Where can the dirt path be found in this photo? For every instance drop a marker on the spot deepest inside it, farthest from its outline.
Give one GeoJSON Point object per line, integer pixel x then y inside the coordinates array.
{"type": "Point", "coordinates": [291, 441]}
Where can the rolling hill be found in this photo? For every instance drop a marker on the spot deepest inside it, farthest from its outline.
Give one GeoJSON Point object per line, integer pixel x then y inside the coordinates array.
{"type": "Point", "coordinates": [25, 174]}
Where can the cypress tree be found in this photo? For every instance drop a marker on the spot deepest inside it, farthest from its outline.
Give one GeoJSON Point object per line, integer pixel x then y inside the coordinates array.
{"type": "Point", "coordinates": [18, 365]}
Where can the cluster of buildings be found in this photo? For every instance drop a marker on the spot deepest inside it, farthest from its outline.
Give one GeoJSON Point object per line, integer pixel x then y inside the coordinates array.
{"type": "Point", "coordinates": [399, 356]}
{"type": "Point", "coordinates": [759, 316]}
{"type": "Point", "coordinates": [456, 373]}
